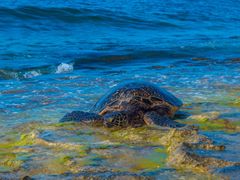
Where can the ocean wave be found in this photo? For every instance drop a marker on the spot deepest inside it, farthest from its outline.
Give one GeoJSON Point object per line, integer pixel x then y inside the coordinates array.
{"type": "Point", "coordinates": [92, 62]}
{"type": "Point", "coordinates": [28, 73]}
{"type": "Point", "coordinates": [102, 61]}
{"type": "Point", "coordinates": [71, 15]}
{"type": "Point", "coordinates": [64, 68]}
{"type": "Point", "coordinates": [131, 57]}
{"type": "Point", "coordinates": [18, 74]}
{"type": "Point", "coordinates": [31, 74]}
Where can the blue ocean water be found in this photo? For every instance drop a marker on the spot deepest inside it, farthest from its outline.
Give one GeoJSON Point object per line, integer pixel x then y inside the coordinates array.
{"type": "Point", "coordinates": [59, 56]}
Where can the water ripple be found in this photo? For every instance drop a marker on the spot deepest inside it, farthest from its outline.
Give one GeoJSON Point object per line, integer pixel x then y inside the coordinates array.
{"type": "Point", "coordinates": [71, 15]}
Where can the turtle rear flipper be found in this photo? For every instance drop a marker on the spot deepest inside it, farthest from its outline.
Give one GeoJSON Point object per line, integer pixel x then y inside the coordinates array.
{"type": "Point", "coordinates": [83, 117]}
{"type": "Point", "coordinates": [153, 118]}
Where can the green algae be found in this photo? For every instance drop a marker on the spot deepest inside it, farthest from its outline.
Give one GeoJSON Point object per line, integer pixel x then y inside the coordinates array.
{"type": "Point", "coordinates": [70, 162]}
{"type": "Point", "coordinates": [25, 139]}
{"type": "Point", "coordinates": [235, 103]}
{"type": "Point", "coordinates": [65, 159]}
{"type": "Point", "coordinates": [4, 169]}
{"type": "Point", "coordinates": [160, 150]}
{"type": "Point", "coordinates": [10, 161]}
{"type": "Point", "coordinates": [236, 123]}
{"type": "Point", "coordinates": [155, 160]}
{"type": "Point", "coordinates": [14, 153]}
{"type": "Point", "coordinates": [59, 164]}
{"type": "Point", "coordinates": [11, 157]}
{"type": "Point", "coordinates": [65, 124]}
{"type": "Point", "coordinates": [74, 157]}
{"type": "Point", "coordinates": [229, 100]}
{"type": "Point", "coordinates": [141, 136]}
{"type": "Point", "coordinates": [131, 159]}
{"type": "Point", "coordinates": [6, 145]}
{"type": "Point", "coordinates": [212, 122]}
{"type": "Point", "coordinates": [177, 150]}
{"type": "Point", "coordinates": [7, 155]}
{"type": "Point", "coordinates": [147, 164]}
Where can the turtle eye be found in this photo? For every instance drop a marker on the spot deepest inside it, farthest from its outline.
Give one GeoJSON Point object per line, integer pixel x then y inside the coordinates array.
{"type": "Point", "coordinates": [110, 119]}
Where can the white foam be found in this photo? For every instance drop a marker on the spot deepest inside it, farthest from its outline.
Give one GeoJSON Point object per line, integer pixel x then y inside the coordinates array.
{"type": "Point", "coordinates": [31, 74]}
{"type": "Point", "coordinates": [64, 67]}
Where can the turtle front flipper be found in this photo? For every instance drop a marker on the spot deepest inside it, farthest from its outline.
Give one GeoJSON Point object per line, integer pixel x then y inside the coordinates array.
{"type": "Point", "coordinates": [153, 118]}
{"type": "Point", "coordinates": [83, 117]}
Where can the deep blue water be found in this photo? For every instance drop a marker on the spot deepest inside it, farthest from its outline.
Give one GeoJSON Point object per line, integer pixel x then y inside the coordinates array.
{"type": "Point", "coordinates": [59, 56]}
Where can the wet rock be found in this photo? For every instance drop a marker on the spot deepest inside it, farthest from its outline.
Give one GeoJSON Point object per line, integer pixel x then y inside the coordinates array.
{"type": "Point", "coordinates": [179, 147]}
{"type": "Point", "coordinates": [213, 121]}
{"type": "Point", "coordinates": [206, 116]}
{"type": "Point", "coordinates": [181, 154]}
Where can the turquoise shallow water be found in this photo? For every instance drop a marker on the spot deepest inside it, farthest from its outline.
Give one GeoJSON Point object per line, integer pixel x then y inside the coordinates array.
{"type": "Point", "coordinates": [59, 57]}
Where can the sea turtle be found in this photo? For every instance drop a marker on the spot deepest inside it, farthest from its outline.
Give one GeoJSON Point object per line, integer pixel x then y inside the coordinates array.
{"type": "Point", "coordinates": [134, 103]}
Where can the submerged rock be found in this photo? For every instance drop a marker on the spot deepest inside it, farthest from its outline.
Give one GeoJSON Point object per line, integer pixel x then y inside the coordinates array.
{"type": "Point", "coordinates": [180, 145]}
{"type": "Point", "coordinates": [113, 150]}
{"type": "Point", "coordinates": [213, 121]}
{"type": "Point", "coordinates": [182, 156]}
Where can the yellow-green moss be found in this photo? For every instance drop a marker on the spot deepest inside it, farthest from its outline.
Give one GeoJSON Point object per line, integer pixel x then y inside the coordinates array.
{"type": "Point", "coordinates": [62, 163]}
{"type": "Point", "coordinates": [140, 136]}
{"type": "Point", "coordinates": [161, 150]}
{"type": "Point", "coordinates": [133, 160]}
{"type": "Point", "coordinates": [4, 169]}
{"type": "Point", "coordinates": [9, 161]}
{"type": "Point", "coordinates": [6, 145]}
{"type": "Point", "coordinates": [72, 157]}
{"type": "Point", "coordinates": [65, 159]}
{"type": "Point", "coordinates": [235, 103]}
{"type": "Point", "coordinates": [58, 165]}
{"type": "Point", "coordinates": [12, 154]}
{"type": "Point", "coordinates": [145, 164]}
{"type": "Point", "coordinates": [230, 99]}
{"type": "Point", "coordinates": [65, 124]}
{"type": "Point", "coordinates": [211, 121]}
{"type": "Point", "coordinates": [24, 140]}
{"type": "Point", "coordinates": [215, 125]}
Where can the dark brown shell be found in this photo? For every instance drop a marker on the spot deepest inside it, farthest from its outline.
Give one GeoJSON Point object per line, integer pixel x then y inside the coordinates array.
{"type": "Point", "coordinates": [135, 94]}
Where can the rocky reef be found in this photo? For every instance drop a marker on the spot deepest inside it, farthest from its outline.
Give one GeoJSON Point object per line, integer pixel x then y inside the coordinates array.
{"type": "Point", "coordinates": [69, 148]}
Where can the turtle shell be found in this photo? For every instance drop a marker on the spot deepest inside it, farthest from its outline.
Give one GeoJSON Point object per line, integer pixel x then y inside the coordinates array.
{"type": "Point", "coordinates": [134, 94]}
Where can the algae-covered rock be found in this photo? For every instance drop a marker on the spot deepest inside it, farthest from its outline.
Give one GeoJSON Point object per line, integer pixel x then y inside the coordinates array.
{"type": "Point", "coordinates": [180, 145]}
{"type": "Point", "coordinates": [110, 150]}
{"type": "Point", "coordinates": [204, 117]}
{"type": "Point", "coordinates": [10, 161]}
{"type": "Point", "coordinates": [65, 163]}
{"type": "Point", "coordinates": [181, 154]}
{"type": "Point", "coordinates": [212, 121]}
{"type": "Point", "coordinates": [132, 158]}
{"type": "Point", "coordinates": [16, 152]}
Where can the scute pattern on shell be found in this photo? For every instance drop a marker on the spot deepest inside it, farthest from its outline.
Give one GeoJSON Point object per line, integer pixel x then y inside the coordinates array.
{"type": "Point", "coordinates": [135, 94]}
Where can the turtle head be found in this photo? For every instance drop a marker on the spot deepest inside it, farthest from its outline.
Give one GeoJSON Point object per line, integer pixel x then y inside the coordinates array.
{"type": "Point", "coordinates": [165, 109]}
{"type": "Point", "coordinates": [116, 119]}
